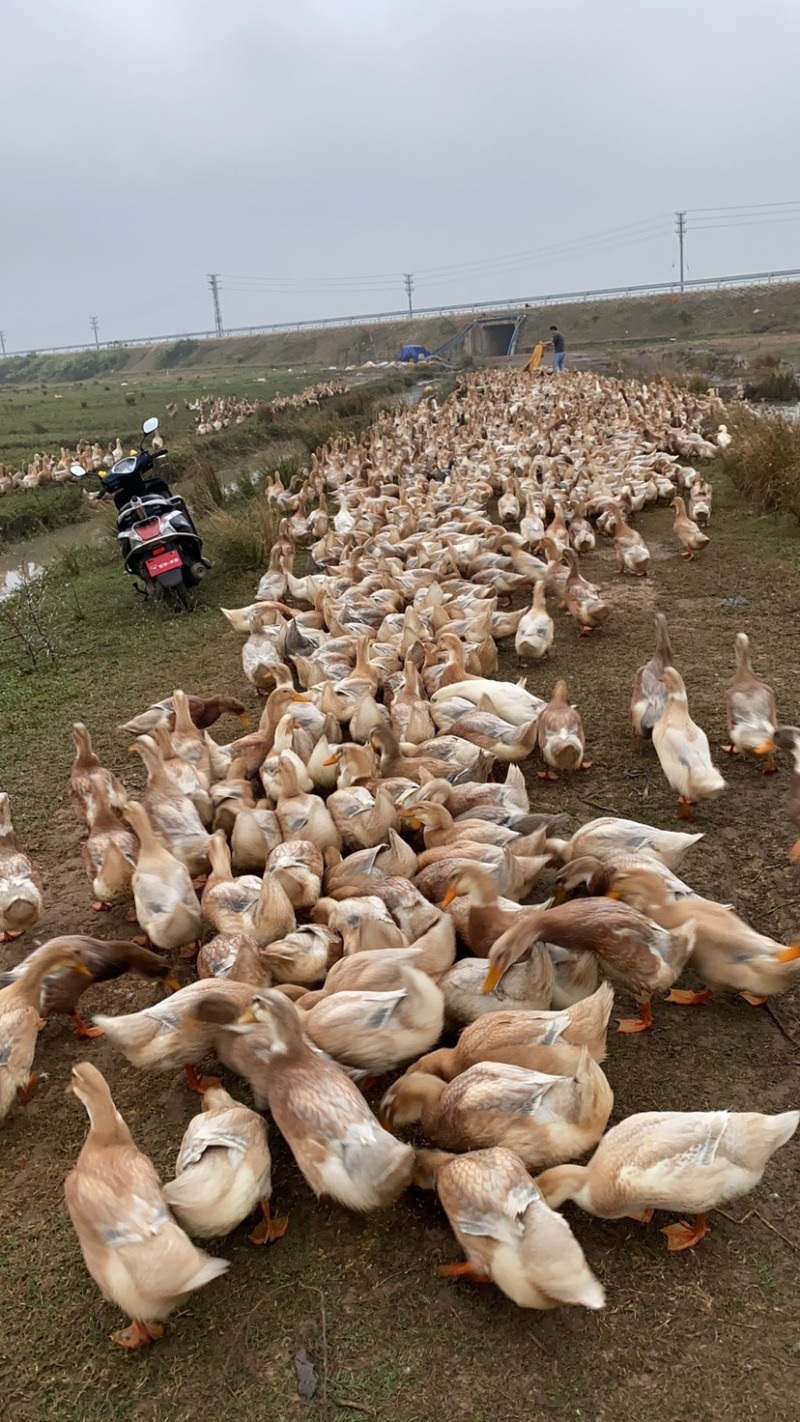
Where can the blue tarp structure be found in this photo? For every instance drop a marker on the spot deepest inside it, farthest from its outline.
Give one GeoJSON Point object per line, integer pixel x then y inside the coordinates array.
{"type": "Point", "coordinates": [414, 353]}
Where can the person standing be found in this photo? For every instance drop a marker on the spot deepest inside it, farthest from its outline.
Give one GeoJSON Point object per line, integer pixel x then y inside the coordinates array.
{"type": "Point", "coordinates": [559, 348]}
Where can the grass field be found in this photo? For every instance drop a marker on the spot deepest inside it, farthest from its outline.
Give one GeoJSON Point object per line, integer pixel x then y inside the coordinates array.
{"type": "Point", "coordinates": [712, 1333]}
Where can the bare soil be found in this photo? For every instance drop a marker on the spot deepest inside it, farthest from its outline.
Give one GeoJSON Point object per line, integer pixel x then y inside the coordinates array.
{"type": "Point", "coordinates": [712, 1333]}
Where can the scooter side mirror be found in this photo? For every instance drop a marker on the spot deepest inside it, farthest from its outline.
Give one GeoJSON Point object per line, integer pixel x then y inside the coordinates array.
{"type": "Point", "coordinates": [78, 470]}
{"type": "Point", "coordinates": [150, 426]}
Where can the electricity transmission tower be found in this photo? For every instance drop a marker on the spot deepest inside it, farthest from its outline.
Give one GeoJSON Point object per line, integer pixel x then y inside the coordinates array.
{"type": "Point", "coordinates": [213, 282]}
{"type": "Point", "coordinates": [680, 228]}
{"type": "Point", "coordinates": [408, 283]}
{"type": "Point", "coordinates": [3, 341]}
{"type": "Point", "coordinates": [94, 323]}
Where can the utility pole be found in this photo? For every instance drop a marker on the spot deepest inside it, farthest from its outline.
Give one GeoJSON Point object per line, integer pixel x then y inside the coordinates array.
{"type": "Point", "coordinates": [3, 342]}
{"type": "Point", "coordinates": [408, 282]}
{"type": "Point", "coordinates": [94, 323]}
{"type": "Point", "coordinates": [213, 282]}
{"type": "Point", "coordinates": [680, 228]}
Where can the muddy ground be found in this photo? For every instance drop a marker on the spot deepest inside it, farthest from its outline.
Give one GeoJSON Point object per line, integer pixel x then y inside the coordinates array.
{"type": "Point", "coordinates": [713, 1333]}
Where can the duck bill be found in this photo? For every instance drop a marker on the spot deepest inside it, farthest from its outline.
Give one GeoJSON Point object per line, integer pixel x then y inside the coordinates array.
{"type": "Point", "coordinates": [613, 894]}
{"type": "Point", "coordinates": [172, 984]}
{"type": "Point", "coordinates": [452, 893]}
{"type": "Point", "coordinates": [766, 748]}
{"type": "Point", "coordinates": [789, 955]}
{"type": "Point", "coordinates": [332, 760]}
{"type": "Point", "coordinates": [245, 719]}
{"type": "Point", "coordinates": [559, 895]}
{"type": "Point", "coordinates": [492, 978]}
{"type": "Point", "coordinates": [298, 696]}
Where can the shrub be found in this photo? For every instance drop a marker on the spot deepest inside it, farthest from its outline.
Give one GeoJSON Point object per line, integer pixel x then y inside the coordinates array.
{"type": "Point", "coordinates": [177, 354]}
{"type": "Point", "coordinates": [770, 381]}
{"type": "Point", "coordinates": [763, 460]}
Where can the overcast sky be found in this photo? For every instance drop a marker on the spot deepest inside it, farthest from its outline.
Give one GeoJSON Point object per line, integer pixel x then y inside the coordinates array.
{"type": "Point", "coordinates": [494, 148]}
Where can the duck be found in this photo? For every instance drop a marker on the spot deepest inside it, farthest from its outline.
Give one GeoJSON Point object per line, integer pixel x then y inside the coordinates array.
{"type": "Point", "coordinates": [134, 1249]}
{"type": "Point", "coordinates": [510, 1236]}
{"type": "Point", "coordinates": [635, 952]}
{"type": "Point", "coordinates": [727, 952]}
{"type": "Point", "coordinates": [504, 740]}
{"type": "Point", "coordinates": [340, 1148]}
{"type": "Point", "coordinates": [560, 735]}
{"type": "Point", "coordinates": [591, 877]}
{"type": "Point", "coordinates": [485, 914]}
{"type": "Point", "coordinates": [166, 904]}
{"type": "Point", "coordinates": [372, 970]}
{"type": "Point", "coordinates": [609, 835]}
{"type": "Point", "coordinates": [685, 1161]}
{"type": "Point", "coordinates": [173, 1033]}
{"type": "Point", "coordinates": [86, 768]}
{"type": "Point", "coordinates": [378, 1031]}
{"type": "Point", "coordinates": [581, 599]}
{"type": "Point", "coordinates": [787, 738]}
{"type": "Point", "coordinates": [515, 1036]}
{"type": "Point", "coordinates": [258, 908]}
{"type": "Point", "coordinates": [19, 1019]}
{"type": "Point", "coordinates": [101, 960]}
{"type": "Point", "coordinates": [300, 815]}
{"type": "Point", "coordinates": [205, 711]}
{"type": "Point", "coordinates": [541, 1118]}
{"type": "Point", "coordinates": [362, 819]}
{"type": "Point", "coordinates": [528, 987]}
{"type": "Point", "coordinates": [632, 553]}
{"type": "Point", "coordinates": [750, 708]}
{"type": "Point", "coordinates": [109, 851]}
{"type": "Point", "coordinates": [21, 900]}
{"type": "Point", "coordinates": [649, 698]}
{"type": "Point", "coordinates": [510, 701]}
{"type": "Point", "coordinates": [186, 775]}
{"type": "Point", "coordinates": [254, 834]}
{"type": "Point", "coordinates": [687, 531]}
{"type": "Point", "coordinates": [683, 750]}
{"type": "Point", "coordinates": [304, 957]}
{"type": "Point", "coordinates": [535, 632]}
{"type": "Point", "coordinates": [298, 866]}
{"type": "Point", "coordinates": [172, 814]}
{"type": "Point", "coordinates": [223, 1172]}
{"type": "Point", "coordinates": [439, 828]}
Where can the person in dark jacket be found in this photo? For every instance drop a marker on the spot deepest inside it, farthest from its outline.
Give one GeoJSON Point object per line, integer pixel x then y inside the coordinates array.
{"type": "Point", "coordinates": [559, 348]}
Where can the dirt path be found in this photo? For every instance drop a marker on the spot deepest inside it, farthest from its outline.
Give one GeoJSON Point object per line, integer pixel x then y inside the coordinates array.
{"type": "Point", "coordinates": [711, 1334]}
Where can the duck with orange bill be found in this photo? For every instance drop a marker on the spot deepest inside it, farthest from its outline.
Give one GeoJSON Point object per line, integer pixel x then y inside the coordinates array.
{"type": "Point", "coordinates": [684, 1161]}
{"type": "Point", "coordinates": [636, 953]}
{"type": "Point", "coordinates": [728, 954]}
{"type": "Point", "coordinates": [510, 1236]}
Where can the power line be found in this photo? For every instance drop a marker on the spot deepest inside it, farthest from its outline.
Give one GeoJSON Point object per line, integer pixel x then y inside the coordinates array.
{"type": "Point", "coordinates": [94, 323]}
{"type": "Point", "coordinates": [213, 282]}
{"type": "Point", "coordinates": [748, 207]}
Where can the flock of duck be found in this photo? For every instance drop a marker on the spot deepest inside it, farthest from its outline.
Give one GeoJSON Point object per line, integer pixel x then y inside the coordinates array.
{"type": "Point", "coordinates": [364, 868]}
{"type": "Point", "coordinates": [215, 413]}
{"type": "Point", "coordinates": [211, 414]}
{"type": "Point", "coordinates": [46, 469]}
